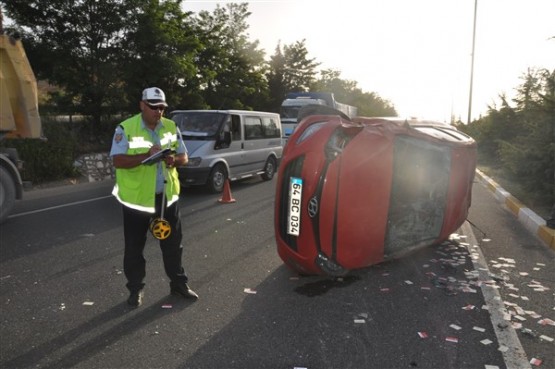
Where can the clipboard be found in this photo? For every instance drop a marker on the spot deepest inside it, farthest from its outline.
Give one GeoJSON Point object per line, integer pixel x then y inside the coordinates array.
{"type": "Point", "coordinates": [154, 158]}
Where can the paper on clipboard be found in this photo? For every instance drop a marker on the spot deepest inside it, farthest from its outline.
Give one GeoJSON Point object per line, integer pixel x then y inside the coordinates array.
{"type": "Point", "coordinates": [154, 158]}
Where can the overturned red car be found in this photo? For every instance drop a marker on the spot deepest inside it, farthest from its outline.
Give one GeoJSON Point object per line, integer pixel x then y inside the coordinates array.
{"type": "Point", "coordinates": [353, 193]}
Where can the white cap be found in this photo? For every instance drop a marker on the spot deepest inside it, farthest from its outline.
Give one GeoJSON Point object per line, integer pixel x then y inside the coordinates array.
{"type": "Point", "coordinates": [154, 96]}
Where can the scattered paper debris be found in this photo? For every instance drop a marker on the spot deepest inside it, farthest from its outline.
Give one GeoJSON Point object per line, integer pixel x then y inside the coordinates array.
{"type": "Point", "coordinates": [423, 334]}
{"type": "Point", "coordinates": [479, 329]}
{"type": "Point", "coordinates": [167, 306]}
{"type": "Point", "coordinates": [536, 362]}
{"type": "Point", "coordinates": [546, 338]}
{"type": "Point", "coordinates": [251, 291]}
{"type": "Point", "coordinates": [486, 342]}
{"type": "Point", "coordinates": [452, 339]}
{"type": "Point", "coordinates": [88, 303]}
{"type": "Point", "coordinates": [455, 327]}
{"type": "Point", "coordinates": [546, 321]}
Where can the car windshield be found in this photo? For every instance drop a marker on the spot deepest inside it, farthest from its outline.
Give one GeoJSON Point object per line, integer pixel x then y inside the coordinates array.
{"type": "Point", "coordinates": [198, 125]}
{"type": "Point", "coordinates": [289, 111]}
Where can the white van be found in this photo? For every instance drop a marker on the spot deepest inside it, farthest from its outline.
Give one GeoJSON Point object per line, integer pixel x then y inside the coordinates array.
{"type": "Point", "coordinates": [232, 144]}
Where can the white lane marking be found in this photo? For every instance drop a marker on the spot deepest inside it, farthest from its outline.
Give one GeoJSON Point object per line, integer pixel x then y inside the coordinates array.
{"type": "Point", "coordinates": [515, 357]}
{"type": "Point", "coordinates": [57, 207]}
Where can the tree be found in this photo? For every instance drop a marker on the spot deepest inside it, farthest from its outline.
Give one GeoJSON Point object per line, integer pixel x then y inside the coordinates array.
{"type": "Point", "coordinates": [369, 104]}
{"type": "Point", "coordinates": [161, 49]}
{"type": "Point", "coordinates": [231, 68]}
{"type": "Point", "coordinates": [76, 46]}
{"type": "Point", "coordinates": [277, 85]}
{"type": "Point", "coordinates": [299, 71]}
{"type": "Point", "coordinates": [521, 139]}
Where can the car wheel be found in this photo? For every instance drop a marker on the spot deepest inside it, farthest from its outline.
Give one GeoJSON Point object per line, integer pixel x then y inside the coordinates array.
{"type": "Point", "coordinates": [269, 169]}
{"type": "Point", "coordinates": [7, 194]}
{"type": "Point", "coordinates": [217, 178]}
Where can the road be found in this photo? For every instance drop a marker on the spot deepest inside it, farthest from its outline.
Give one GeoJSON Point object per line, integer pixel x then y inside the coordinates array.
{"type": "Point", "coordinates": [63, 293]}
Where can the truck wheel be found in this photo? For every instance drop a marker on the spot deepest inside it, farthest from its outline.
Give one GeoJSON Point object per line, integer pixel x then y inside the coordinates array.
{"type": "Point", "coordinates": [7, 194]}
{"type": "Point", "coordinates": [269, 169]}
{"type": "Point", "coordinates": [216, 179]}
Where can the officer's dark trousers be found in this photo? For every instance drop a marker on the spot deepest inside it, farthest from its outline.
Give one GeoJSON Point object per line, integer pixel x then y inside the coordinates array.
{"type": "Point", "coordinates": [136, 228]}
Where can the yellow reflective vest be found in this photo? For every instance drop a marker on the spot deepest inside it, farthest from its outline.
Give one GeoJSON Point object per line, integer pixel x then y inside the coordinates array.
{"type": "Point", "coordinates": [136, 187]}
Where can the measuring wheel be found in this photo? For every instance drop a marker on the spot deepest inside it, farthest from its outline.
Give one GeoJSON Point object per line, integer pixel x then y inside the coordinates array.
{"type": "Point", "coordinates": [160, 228]}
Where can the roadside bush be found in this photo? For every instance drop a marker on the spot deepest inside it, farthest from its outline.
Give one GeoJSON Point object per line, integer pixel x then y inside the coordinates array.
{"type": "Point", "coordinates": [53, 159]}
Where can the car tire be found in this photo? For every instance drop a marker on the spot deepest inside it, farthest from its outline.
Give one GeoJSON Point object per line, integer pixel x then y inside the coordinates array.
{"type": "Point", "coordinates": [269, 169]}
{"type": "Point", "coordinates": [217, 178]}
{"type": "Point", "coordinates": [7, 194]}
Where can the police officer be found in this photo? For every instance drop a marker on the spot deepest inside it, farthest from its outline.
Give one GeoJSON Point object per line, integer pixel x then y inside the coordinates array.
{"type": "Point", "coordinates": [139, 187]}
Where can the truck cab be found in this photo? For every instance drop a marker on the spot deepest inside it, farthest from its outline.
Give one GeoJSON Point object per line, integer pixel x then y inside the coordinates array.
{"type": "Point", "coordinates": [289, 111]}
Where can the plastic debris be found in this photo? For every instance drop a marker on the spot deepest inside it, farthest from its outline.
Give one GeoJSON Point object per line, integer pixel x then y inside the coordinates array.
{"type": "Point", "coordinates": [251, 291]}
{"type": "Point", "coordinates": [486, 342]}
{"type": "Point", "coordinates": [167, 306]}
{"type": "Point", "coordinates": [546, 338]}
{"type": "Point", "coordinates": [88, 303]}
{"type": "Point", "coordinates": [479, 329]}
{"type": "Point", "coordinates": [455, 327]}
{"type": "Point", "coordinates": [452, 339]}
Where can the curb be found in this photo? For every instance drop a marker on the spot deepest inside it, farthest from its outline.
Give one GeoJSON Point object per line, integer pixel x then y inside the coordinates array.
{"type": "Point", "coordinates": [531, 221]}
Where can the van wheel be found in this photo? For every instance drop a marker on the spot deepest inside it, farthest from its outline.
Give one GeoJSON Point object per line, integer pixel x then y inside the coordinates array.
{"type": "Point", "coordinates": [7, 194]}
{"type": "Point", "coordinates": [217, 178]}
{"type": "Point", "coordinates": [269, 169]}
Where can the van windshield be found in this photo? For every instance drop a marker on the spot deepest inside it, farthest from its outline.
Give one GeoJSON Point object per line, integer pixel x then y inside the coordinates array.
{"type": "Point", "coordinates": [197, 125]}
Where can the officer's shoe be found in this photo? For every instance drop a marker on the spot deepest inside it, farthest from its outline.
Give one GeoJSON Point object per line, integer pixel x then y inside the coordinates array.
{"type": "Point", "coordinates": [136, 298]}
{"type": "Point", "coordinates": [184, 291]}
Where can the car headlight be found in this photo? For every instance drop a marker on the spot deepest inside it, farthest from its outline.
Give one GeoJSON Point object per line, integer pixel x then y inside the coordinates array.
{"type": "Point", "coordinates": [310, 131]}
{"type": "Point", "coordinates": [194, 162]}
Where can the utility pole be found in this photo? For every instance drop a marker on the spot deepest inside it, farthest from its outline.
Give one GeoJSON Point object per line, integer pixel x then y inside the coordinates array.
{"type": "Point", "coordinates": [472, 64]}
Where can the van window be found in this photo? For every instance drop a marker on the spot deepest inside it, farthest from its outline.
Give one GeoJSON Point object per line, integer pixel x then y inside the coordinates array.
{"type": "Point", "coordinates": [253, 128]}
{"type": "Point", "coordinates": [235, 128]}
{"type": "Point", "coordinates": [270, 128]}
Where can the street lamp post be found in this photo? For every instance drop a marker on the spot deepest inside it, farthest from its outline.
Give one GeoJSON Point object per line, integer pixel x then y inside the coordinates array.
{"type": "Point", "coordinates": [472, 64]}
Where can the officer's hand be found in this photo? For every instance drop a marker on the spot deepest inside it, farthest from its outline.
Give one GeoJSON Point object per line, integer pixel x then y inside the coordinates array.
{"type": "Point", "coordinates": [170, 161]}
{"type": "Point", "coordinates": [154, 149]}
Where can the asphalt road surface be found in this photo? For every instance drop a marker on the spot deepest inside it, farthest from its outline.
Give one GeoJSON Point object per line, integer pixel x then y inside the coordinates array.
{"type": "Point", "coordinates": [455, 305]}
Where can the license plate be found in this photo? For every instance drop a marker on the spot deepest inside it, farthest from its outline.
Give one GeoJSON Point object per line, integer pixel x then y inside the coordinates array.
{"type": "Point", "coordinates": [294, 214]}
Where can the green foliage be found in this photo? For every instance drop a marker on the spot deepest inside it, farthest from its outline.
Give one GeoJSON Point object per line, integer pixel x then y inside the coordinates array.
{"type": "Point", "coordinates": [368, 104]}
{"type": "Point", "coordinates": [231, 68]}
{"type": "Point", "coordinates": [161, 49]}
{"type": "Point", "coordinates": [46, 160]}
{"type": "Point", "coordinates": [520, 141]}
{"type": "Point", "coordinates": [77, 45]}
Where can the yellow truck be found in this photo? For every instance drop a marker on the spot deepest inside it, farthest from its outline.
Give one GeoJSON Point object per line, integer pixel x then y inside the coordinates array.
{"type": "Point", "coordinates": [19, 117]}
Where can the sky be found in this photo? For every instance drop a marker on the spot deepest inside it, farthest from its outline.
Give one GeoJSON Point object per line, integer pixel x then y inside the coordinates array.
{"type": "Point", "coordinates": [417, 54]}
